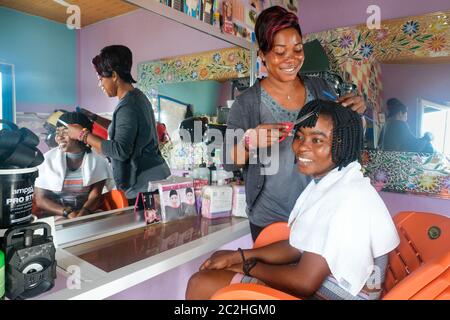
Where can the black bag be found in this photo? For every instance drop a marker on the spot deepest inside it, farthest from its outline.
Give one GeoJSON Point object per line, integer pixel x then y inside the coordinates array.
{"type": "Point", "coordinates": [18, 148]}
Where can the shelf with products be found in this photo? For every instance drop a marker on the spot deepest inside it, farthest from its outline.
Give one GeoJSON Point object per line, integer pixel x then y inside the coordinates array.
{"type": "Point", "coordinates": [190, 21]}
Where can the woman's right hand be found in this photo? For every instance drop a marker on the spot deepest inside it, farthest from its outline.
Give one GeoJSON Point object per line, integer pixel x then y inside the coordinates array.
{"type": "Point", "coordinates": [265, 135]}
{"type": "Point", "coordinates": [222, 259]}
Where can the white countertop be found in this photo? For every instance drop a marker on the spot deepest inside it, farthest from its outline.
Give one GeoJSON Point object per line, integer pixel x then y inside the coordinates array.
{"type": "Point", "coordinates": [99, 284]}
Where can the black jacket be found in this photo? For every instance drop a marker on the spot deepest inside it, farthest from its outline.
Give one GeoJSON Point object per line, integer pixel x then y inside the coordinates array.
{"type": "Point", "coordinates": [133, 141]}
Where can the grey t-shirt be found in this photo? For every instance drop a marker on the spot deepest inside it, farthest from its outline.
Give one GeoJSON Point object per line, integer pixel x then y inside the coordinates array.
{"type": "Point", "coordinates": [280, 190]}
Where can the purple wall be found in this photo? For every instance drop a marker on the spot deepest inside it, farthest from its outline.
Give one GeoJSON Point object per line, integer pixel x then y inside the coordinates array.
{"type": "Point", "coordinates": [149, 37]}
{"type": "Point", "coordinates": [397, 202]}
{"type": "Point", "coordinates": [320, 15]}
{"type": "Point", "coordinates": [408, 82]}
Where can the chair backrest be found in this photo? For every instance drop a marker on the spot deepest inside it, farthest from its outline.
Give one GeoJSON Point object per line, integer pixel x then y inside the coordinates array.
{"type": "Point", "coordinates": [272, 233]}
{"type": "Point", "coordinates": [114, 199]}
{"type": "Point", "coordinates": [423, 237]}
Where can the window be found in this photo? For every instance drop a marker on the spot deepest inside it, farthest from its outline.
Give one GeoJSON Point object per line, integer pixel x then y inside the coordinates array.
{"type": "Point", "coordinates": [435, 118]}
{"type": "Point", "coordinates": [171, 112]}
{"type": "Point", "coordinates": [7, 97]}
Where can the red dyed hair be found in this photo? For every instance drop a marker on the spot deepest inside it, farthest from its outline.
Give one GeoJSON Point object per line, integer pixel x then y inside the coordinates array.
{"type": "Point", "coordinates": [269, 22]}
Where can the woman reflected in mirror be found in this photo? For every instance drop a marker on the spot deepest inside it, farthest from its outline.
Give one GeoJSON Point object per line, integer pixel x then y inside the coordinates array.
{"type": "Point", "coordinates": [132, 146]}
{"type": "Point", "coordinates": [396, 134]}
{"type": "Point", "coordinates": [72, 177]}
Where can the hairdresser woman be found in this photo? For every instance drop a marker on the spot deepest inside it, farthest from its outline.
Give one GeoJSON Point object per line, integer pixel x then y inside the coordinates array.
{"type": "Point", "coordinates": [133, 141]}
{"type": "Point", "coordinates": [261, 111]}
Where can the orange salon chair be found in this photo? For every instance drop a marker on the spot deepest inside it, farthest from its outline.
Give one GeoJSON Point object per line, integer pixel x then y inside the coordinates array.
{"type": "Point", "coordinates": [419, 268]}
{"type": "Point", "coordinates": [114, 199]}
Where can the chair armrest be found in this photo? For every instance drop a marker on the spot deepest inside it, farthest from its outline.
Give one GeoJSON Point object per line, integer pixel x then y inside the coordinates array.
{"type": "Point", "coordinates": [250, 291]}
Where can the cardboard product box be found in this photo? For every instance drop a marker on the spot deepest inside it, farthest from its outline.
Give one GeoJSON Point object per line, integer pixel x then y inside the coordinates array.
{"type": "Point", "coordinates": [176, 198]}
{"type": "Point", "coordinates": [217, 201]}
{"type": "Point", "coordinates": [146, 207]}
{"type": "Point", "coordinates": [198, 190]}
{"type": "Point", "coordinates": [239, 202]}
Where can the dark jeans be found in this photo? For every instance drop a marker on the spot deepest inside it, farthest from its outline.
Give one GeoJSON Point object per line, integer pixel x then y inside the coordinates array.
{"type": "Point", "coordinates": [255, 230]}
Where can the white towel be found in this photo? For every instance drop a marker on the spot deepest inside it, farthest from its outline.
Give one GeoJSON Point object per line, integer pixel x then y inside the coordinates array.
{"type": "Point", "coordinates": [52, 171]}
{"type": "Point", "coordinates": [343, 219]}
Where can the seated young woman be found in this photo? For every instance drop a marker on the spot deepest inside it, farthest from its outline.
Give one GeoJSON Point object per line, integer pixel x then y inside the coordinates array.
{"type": "Point", "coordinates": [341, 231]}
{"type": "Point", "coordinates": [71, 178]}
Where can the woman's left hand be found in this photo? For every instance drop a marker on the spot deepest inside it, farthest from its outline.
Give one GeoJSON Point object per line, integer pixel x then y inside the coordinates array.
{"type": "Point", "coordinates": [221, 259]}
{"type": "Point", "coordinates": [73, 214]}
{"type": "Point", "coordinates": [238, 268]}
{"type": "Point", "coordinates": [356, 103]}
{"type": "Point", "coordinates": [73, 130]}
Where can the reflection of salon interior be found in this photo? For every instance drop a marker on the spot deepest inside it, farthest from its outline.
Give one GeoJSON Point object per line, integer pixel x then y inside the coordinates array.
{"type": "Point", "coordinates": [192, 71]}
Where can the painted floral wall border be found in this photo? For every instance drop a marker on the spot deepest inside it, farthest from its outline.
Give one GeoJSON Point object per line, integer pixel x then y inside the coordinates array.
{"type": "Point", "coordinates": [408, 172]}
{"type": "Point", "coordinates": [416, 37]}
{"type": "Point", "coordinates": [355, 52]}
{"type": "Point", "coordinates": [218, 65]}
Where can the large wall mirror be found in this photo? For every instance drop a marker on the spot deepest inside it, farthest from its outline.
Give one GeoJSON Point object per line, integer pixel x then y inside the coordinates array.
{"type": "Point", "coordinates": [407, 59]}
{"type": "Point", "coordinates": [53, 69]}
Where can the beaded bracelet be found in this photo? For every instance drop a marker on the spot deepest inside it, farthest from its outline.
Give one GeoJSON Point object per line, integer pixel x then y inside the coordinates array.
{"type": "Point", "coordinates": [85, 137]}
{"type": "Point", "coordinates": [249, 265]}
{"type": "Point", "coordinates": [242, 254]}
{"type": "Point", "coordinates": [82, 133]}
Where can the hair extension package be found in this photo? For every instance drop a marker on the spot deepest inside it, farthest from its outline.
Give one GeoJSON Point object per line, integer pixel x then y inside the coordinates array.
{"type": "Point", "coordinates": [174, 198]}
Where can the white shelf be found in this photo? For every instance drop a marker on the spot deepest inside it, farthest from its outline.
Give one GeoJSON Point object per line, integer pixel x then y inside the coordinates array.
{"type": "Point", "coordinates": [191, 22]}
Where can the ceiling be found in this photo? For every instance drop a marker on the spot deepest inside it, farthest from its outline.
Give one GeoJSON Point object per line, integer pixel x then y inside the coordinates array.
{"type": "Point", "coordinates": [91, 10]}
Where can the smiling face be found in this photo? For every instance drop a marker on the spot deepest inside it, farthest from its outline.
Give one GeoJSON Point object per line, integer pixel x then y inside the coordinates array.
{"type": "Point", "coordinates": [312, 148]}
{"type": "Point", "coordinates": [66, 144]}
{"type": "Point", "coordinates": [284, 60]}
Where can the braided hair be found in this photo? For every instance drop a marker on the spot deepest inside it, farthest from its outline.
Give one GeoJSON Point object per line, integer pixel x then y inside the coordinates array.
{"type": "Point", "coordinates": [347, 132]}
